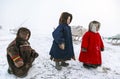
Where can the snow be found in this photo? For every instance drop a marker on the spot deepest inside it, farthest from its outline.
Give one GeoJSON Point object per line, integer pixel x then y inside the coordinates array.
{"type": "Point", "coordinates": [43, 67]}
{"type": "Point", "coordinates": [41, 16]}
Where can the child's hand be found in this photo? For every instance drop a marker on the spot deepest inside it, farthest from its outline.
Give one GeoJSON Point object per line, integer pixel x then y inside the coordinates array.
{"type": "Point", "coordinates": [83, 49]}
{"type": "Point", "coordinates": [73, 58]}
{"type": "Point", "coordinates": [102, 49]}
{"type": "Point", "coordinates": [19, 63]}
{"type": "Point", "coordinates": [62, 46]}
{"type": "Point", "coordinates": [34, 54]}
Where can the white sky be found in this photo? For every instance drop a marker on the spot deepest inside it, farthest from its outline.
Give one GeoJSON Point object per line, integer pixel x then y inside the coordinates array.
{"type": "Point", "coordinates": [43, 15]}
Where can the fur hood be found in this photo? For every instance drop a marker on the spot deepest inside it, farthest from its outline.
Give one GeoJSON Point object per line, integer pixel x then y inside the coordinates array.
{"type": "Point", "coordinates": [91, 25]}
{"type": "Point", "coordinates": [23, 31]}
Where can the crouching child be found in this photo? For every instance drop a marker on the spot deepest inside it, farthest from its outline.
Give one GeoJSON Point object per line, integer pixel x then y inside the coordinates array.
{"type": "Point", "coordinates": [20, 55]}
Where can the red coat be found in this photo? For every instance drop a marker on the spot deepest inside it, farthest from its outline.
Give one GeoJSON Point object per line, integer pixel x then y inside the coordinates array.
{"type": "Point", "coordinates": [93, 43]}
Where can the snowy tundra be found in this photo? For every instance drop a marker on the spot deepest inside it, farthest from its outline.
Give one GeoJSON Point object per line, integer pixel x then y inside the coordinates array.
{"type": "Point", "coordinates": [43, 67]}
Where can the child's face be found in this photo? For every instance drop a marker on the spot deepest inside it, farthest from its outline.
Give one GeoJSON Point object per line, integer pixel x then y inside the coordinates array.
{"type": "Point", "coordinates": [95, 27]}
{"type": "Point", "coordinates": [68, 20]}
{"type": "Point", "coordinates": [27, 36]}
{"type": "Point", "coordinates": [24, 36]}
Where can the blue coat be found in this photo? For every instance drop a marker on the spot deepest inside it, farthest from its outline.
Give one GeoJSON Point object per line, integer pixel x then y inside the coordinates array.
{"type": "Point", "coordinates": [62, 34]}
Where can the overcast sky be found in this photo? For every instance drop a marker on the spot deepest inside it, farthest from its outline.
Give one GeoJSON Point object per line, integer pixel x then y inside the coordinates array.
{"type": "Point", "coordinates": [43, 15]}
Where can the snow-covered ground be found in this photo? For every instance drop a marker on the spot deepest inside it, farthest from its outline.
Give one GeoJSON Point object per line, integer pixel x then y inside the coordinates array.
{"type": "Point", "coordinates": [43, 67]}
{"type": "Point", "coordinates": [41, 16]}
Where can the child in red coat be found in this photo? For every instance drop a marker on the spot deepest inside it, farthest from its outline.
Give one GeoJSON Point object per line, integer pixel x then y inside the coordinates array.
{"type": "Point", "coordinates": [91, 47]}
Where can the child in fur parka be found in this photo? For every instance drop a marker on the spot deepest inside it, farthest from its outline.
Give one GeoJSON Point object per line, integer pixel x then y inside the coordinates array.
{"type": "Point", "coordinates": [20, 55]}
{"type": "Point", "coordinates": [91, 47]}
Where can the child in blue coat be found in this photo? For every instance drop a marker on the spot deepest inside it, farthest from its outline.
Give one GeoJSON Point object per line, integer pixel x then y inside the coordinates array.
{"type": "Point", "coordinates": [62, 47]}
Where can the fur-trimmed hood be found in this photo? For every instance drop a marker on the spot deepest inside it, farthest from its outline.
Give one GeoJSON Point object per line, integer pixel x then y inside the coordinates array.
{"type": "Point", "coordinates": [23, 31]}
{"type": "Point", "coordinates": [91, 25]}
